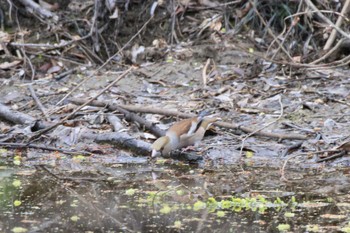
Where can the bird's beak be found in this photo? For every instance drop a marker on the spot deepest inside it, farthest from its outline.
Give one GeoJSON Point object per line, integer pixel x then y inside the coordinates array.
{"type": "Point", "coordinates": [155, 153]}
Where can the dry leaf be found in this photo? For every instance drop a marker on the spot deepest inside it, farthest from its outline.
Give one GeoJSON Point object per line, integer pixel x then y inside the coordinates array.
{"type": "Point", "coordinates": [54, 69]}
{"type": "Point", "coordinates": [208, 3]}
{"type": "Point", "coordinates": [115, 14]}
{"type": "Point", "coordinates": [8, 65]}
{"type": "Point", "coordinates": [48, 6]}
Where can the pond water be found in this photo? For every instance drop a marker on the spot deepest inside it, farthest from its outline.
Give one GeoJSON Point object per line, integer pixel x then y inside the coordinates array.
{"type": "Point", "coordinates": [173, 197]}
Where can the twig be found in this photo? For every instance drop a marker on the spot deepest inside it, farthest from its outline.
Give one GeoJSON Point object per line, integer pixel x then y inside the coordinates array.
{"type": "Point", "coordinates": [43, 147]}
{"type": "Point", "coordinates": [49, 46]}
{"type": "Point", "coordinates": [295, 21]}
{"type": "Point", "coordinates": [173, 22]}
{"type": "Point", "coordinates": [324, 18]}
{"type": "Point", "coordinates": [339, 63]}
{"type": "Point", "coordinates": [331, 51]}
{"type": "Point", "coordinates": [135, 118]}
{"type": "Point", "coordinates": [204, 73]}
{"type": "Point", "coordinates": [308, 11]}
{"type": "Point", "coordinates": [38, 102]}
{"type": "Point", "coordinates": [310, 153]}
{"type": "Point", "coordinates": [16, 117]}
{"type": "Point", "coordinates": [135, 108]}
{"type": "Point", "coordinates": [298, 65]}
{"type": "Point", "coordinates": [80, 107]}
{"type": "Point", "coordinates": [127, 114]}
{"type": "Point", "coordinates": [254, 132]}
{"type": "Point", "coordinates": [284, 166]}
{"type": "Point", "coordinates": [298, 127]}
{"type": "Point", "coordinates": [341, 153]}
{"type": "Point", "coordinates": [30, 86]}
{"type": "Point", "coordinates": [66, 73]}
{"type": "Point", "coordinates": [291, 148]}
{"type": "Point", "coordinates": [270, 31]}
{"type": "Point", "coordinates": [340, 101]}
{"type": "Point", "coordinates": [337, 24]}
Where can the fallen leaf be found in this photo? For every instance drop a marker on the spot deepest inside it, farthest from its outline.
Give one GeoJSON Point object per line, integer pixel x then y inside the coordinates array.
{"type": "Point", "coordinates": [8, 65]}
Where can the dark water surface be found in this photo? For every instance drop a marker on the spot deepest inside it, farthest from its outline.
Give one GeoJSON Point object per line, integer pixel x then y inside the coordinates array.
{"type": "Point", "coordinates": [173, 198]}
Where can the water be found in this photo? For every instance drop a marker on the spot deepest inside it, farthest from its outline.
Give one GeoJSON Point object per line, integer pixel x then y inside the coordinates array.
{"type": "Point", "coordinates": [173, 197]}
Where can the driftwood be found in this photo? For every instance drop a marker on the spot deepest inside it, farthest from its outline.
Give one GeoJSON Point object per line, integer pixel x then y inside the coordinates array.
{"type": "Point", "coordinates": [143, 109]}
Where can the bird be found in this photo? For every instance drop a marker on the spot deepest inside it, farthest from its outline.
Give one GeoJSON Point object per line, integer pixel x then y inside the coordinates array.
{"type": "Point", "coordinates": [182, 134]}
{"type": "Point", "coordinates": [197, 136]}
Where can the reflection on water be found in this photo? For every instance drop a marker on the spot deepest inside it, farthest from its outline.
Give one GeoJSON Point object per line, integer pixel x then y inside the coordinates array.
{"type": "Point", "coordinates": [172, 198]}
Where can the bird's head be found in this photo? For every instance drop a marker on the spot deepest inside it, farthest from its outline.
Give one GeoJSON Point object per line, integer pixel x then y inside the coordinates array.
{"type": "Point", "coordinates": [158, 146]}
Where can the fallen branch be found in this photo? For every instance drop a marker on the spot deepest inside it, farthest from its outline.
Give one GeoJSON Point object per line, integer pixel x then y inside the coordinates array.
{"type": "Point", "coordinates": [161, 111]}
{"type": "Point", "coordinates": [144, 123]}
{"type": "Point", "coordinates": [136, 147]}
{"type": "Point", "coordinates": [127, 114]}
{"type": "Point", "coordinates": [15, 117]}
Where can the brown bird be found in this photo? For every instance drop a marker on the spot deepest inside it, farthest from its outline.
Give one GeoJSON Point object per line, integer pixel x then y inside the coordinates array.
{"type": "Point", "coordinates": [182, 134]}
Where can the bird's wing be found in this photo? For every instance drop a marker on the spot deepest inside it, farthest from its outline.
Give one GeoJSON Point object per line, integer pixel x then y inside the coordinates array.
{"type": "Point", "coordinates": [187, 126]}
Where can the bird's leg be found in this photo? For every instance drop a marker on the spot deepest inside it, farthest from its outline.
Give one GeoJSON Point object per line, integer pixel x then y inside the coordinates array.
{"type": "Point", "coordinates": [190, 148]}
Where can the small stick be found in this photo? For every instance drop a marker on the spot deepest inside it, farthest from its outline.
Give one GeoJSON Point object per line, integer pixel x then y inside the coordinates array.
{"type": "Point", "coordinates": [284, 166]}
{"type": "Point", "coordinates": [331, 157]}
{"type": "Point", "coordinates": [44, 147]}
{"type": "Point", "coordinates": [270, 32]}
{"type": "Point", "coordinates": [204, 73]}
{"type": "Point", "coordinates": [38, 102]}
{"type": "Point", "coordinates": [331, 51]}
{"type": "Point", "coordinates": [337, 24]}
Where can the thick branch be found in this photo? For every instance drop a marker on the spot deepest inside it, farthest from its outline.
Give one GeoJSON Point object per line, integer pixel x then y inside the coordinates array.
{"type": "Point", "coordinates": [135, 146]}
{"type": "Point", "coordinates": [16, 117]}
